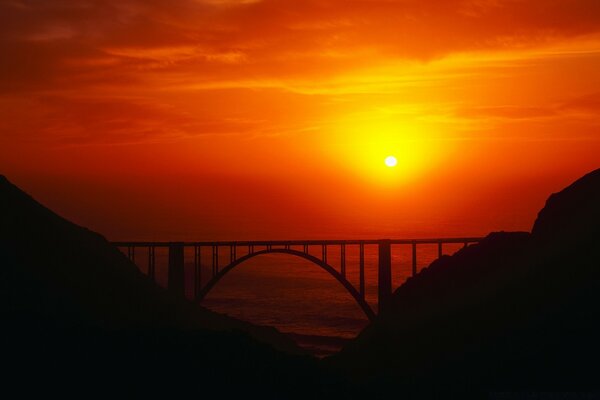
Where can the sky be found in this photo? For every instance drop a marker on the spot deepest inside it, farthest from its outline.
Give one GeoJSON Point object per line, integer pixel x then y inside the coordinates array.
{"type": "Point", "coordinates": [271, 119]}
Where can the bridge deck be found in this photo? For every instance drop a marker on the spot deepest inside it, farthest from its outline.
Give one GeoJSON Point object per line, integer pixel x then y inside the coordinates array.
{"type": "Point", "coordinates": [176, 261]}
{"type": "Point", "coordinates": [299, 242]}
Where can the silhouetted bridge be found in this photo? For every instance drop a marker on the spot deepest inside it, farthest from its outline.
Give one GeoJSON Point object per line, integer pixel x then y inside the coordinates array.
{"type": "Point", "coordinates": [242, 251]}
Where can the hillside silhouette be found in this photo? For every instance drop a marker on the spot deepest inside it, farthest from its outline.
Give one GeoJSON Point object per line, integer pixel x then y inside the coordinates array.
{"type": "Point", "coordinates": [517, 312]}
{"type": "Point", "coordinates": [78, 316]}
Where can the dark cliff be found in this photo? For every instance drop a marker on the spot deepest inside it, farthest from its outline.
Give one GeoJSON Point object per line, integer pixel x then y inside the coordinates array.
{"type": "Point", "coordinates": [78, 316]}
{"type": "Point", "coordinates": [516, 312]}
{"type": "Point", "coordinates": [572, 214]}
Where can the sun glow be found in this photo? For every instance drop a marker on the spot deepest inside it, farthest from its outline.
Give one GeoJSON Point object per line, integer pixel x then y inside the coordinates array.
{"type": "Point", "coordinates": [408, 146]}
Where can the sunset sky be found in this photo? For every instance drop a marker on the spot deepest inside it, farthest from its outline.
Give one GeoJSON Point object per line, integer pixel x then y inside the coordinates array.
{"type": "Point", "coordinates": [259, 119]}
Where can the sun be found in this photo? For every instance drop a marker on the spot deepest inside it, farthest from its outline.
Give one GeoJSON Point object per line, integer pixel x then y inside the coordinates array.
{"type": "Point", "coordinates": [391, 161]}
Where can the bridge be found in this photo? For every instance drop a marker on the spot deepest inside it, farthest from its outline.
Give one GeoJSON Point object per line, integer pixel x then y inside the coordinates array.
{"type": "Point", "coordinates": [242, 251]}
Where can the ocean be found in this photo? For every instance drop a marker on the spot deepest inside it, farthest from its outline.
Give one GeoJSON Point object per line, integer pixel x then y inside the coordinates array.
{"type": "Point", "coordinates": [296, 296]}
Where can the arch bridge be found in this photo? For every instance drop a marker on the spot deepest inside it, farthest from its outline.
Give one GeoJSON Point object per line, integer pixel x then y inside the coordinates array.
{"type": "Point", "coordinates": [241, 251]}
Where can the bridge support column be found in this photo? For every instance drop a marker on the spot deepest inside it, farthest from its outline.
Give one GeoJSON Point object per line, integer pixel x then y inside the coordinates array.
{"type": "Point", "coordinates": [384, 274]}
{"type": "Point", "coordinates": [176, 281]}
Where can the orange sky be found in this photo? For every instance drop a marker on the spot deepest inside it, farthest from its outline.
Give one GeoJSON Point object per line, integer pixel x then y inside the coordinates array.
{"type": "Point", "coordinates": [224, 119]}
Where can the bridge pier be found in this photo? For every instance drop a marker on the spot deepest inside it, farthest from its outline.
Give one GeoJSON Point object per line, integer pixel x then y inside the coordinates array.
{"type": "Point", "coordinates": [176, 270]}
{"type": "Point", "coordinates": [176, 273]}
{"type": "Point", "coordinates": [384, 273]}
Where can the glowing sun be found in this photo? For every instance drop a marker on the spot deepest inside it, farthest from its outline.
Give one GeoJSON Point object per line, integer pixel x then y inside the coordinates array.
{"type": "Point", "coordinates": [391, 161]}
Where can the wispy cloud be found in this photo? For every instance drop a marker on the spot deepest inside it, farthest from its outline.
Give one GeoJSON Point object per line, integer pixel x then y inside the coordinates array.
{"type": "Point", "coordinates": [119, 68]}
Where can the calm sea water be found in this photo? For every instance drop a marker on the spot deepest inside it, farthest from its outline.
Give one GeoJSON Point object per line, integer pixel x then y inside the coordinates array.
{"type": "Point", "coordinates": [296, 296]}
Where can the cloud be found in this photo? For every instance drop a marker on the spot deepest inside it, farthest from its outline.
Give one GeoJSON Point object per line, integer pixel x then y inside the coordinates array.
{"type": "Point", "coordinates": [589, 103]}
{"type": "Point", "coordinates": [506, 112]}
{"type": "Point", "coordinates": [116, 67]}
{"type": "Point", "coordinates": [88, 120]}
{"type": "Point", "coordinates": [264, 38]}
{"type": "Point", "coordinates": [586, 106]}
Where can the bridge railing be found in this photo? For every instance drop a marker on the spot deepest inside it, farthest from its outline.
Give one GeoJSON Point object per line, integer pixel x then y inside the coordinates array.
{"type": "Point", "coordinates": [176, 258]}
{"type": "Point", "coordinates": [239, 243]}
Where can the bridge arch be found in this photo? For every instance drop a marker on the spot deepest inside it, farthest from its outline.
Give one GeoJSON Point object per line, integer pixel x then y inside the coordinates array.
{"type": "Point", "coordinates": [332, 271]}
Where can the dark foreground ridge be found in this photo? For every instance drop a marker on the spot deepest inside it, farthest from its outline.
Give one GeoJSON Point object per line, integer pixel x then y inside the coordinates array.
{"type": "Point", "coordinates": [518, 312]}
{"type": "Point", "coordinates": [79, 317]}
